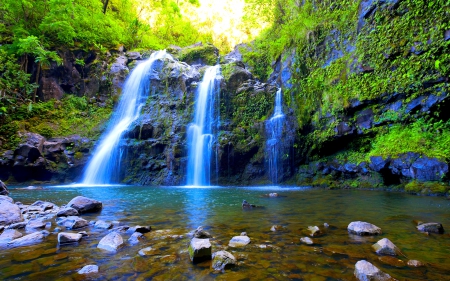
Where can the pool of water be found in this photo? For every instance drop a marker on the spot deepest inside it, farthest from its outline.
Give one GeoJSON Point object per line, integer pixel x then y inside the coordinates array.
{"type": "Point", "coordinates": [173, 211]}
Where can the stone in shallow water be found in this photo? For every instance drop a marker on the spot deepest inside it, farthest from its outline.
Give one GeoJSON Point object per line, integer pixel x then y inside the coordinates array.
{"type": "Point", "coordinates": [142, 229]}
{"type": "Point", "coordinates": [314, 231]}
{"type": "Point", "coordinates": [415, 263]}
{"type": "Point", "coordinates": [392, 261]}
{"type": "Point", "coordinates": [222, 260]}
{"type": "Point", "coordinates": [85, 205]}
{"type": "Point", "coordinates": [307, 240]}
{"type": "Point", "coordinates": [200, 233]}
{"type": "Point", "coordinates": [66, 237]}
{"type": "Point", "coordinates": [149, 251]}
{"type": "Point", "coordinates": [18, 225]}
{"type": "Point", "coordinates": [9, 235]}
{"type": "Point", "coordinates": [363, 228]}
{"type": "Point", "coordinates": [9, 213]}
{"type": "Point", "coordinates": [239, 241]}
{"type": "Point", "coordinates": [30, 239]}
{"type": "Point", "coordinates": [75, 222]}
{"type": "Point", "coordinates": [87, 269]}
{"type": "Point", "coordinates": [431, 227]}
{"type": "Point", "coordinates": [103, 224]}
{"type": "Point", "coordinates": [67, 212]}
{"type": "Point", "coordinates": [35, 224]}
{"type": "Point", "coordinates": [111, 242]}
{"type": "Point", "coordinates": [365, 271]}
{"type": "Point", "coordinates": [385, 247]}
{"type": "Point", "coordinates": [135, 238]}
{"type": "Point", "coordinates": [199, 250]}
{"type": "Point", "coordinates": [276, 228]}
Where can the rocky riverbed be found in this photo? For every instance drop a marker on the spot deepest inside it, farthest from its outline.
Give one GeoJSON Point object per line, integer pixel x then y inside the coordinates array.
{"type": "Point", "coordinates": [136, 233]}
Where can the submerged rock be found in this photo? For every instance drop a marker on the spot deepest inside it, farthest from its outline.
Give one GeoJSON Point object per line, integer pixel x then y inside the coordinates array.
{"type": "Point", "coordinates": [276, 228]}
{"type": "Point", "coordinates": [239, 241]}
{"type": "Point", "coordinates": [103, 224]}
{"type": "Point", "coordinates": [365, 271]}
{"type": "Point", "coordinates": [431, 227]}
{"type": "Point", "coordinates": [415, 263]}
{"type": "Point", "coordinates": [307, 240]}
{"type": "Point", "coordinates": [85, 205]}
{"type": "Point", "coordinates": [385, 247]}
{"type": "Point", "coordinates": [199, 250]}
{"type": "Point", "coordinates": [9, 213]}
{"type": "Point", "coordinates": [392, 261]}
{"type": "Point", "coordinates": [111, 242]}
{"type": "Point", "coordinates": [149, 251]}
{"type": "Point", "coordinates": [136, 237]}
{"type": "Point", "coordinates": [66, 212]}
{"type": "Point", "coordinates": [66, 237]}
{"type": "Point", "coordinates": [363, 228]}
{"type": "Point", "coordinates": [222, 260]}
{"type": "Point", "coordinates": [87, 269]}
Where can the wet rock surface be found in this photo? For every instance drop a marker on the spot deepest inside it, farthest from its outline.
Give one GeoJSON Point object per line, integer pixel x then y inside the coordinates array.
{"type": "Point", "coordinates": [111, 242]}
{"type": "Point", "coordinates": [222, 260]}
{"type": "Point", "coordinates": [431, 227]}
{"type": "Point", "coordinates": [239, 241]}
{"type": "Point", "coordinates": [67, 238]}
{"type": "Point", "coordinates": [386, 247]}
{"type": "Point", "coordinates": [85, 205]}
{"type": "Point", "coordinates": [199, 250]}
{"type": "Point", "coordinates": [363, 228]}
{"type": "Point", "coordinates": [88, 269]}
{"type": "Point", "coordinates": [365, 271]}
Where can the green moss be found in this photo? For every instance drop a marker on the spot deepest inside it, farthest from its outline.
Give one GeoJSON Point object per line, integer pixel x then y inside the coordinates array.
{"type": "Point", "coordinates": [427, 187]}
{"type": "Point", "coordinates": [78, 155]}
{"type": "Point", "coordinates": [206, 53]}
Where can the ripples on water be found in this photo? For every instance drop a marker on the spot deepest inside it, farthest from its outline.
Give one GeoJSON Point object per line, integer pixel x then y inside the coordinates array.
{"type": "Point", "coordinates": [271, 255]}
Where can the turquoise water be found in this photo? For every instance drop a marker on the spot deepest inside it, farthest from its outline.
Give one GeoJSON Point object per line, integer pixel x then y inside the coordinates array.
{"type": "Point", "coordinates": [174, 211]}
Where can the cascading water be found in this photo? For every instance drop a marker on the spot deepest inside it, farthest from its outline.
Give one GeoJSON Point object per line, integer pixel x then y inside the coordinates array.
{"type": "Point", "coordinates": [274, 127]}
{"type": "Point", "coordinates": [104, 167]}
{"type": "Point", "coordinates": [201, 132]}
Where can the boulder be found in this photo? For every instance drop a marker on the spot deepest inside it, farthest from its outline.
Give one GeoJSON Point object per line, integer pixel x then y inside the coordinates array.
{"type": "Point", "coordinates": [134, 55]}
{"type": "Point", "coordinates": [103, 224]}
{"type": "Point", "coordinates": [35, 224]}
{"type": "Point", "coordinates": [142, 229]}
{"type": "Point", "coordinates": [239, 241]}
{"type": "Point", "coordinates": [199, 54]}
{"type": "Point", "coordinates": [428, 169]}
{"type": "Point", "coordinates": [9, 213]}
{"type": "Point", "coordinates": [385, 247]}
{"type": "Point", "coordinates": [6, 198]}
{"type": "Point", "coordinates": [135, 238]}
{"type": "Point", "coordinates": [111, 242]}
{"type": "Point", "coordinates": [199, 250]}
{"type": "Point", "coordinates": [50, 89]}
{"type": "Point", "coordinates": [45, 206]}
{"type": "Point", "coordinates": [27, 240]}
{"type": "Point", "coordinates": [3, 189]}
{"type": "Point", "coordinates": [85, 205]}
{"type": "Point", "coordinates": [73, 222]}
{"type": "Point", "coordinates": [431, 227]}
{"type": "Point", "coordinates": [66, 212]}
{"type": "Point", "coordinates": [200, 233]}
{"type": "Point", "coordinates": [66, 237]}
{"type": "Point", "coordinates": [18, 225]}
{"type": "Point", "coordinates": [365, 271]}
{"type": "Point", "coordinates": [307, 240]}
{"type": "Point", "coordinates": [87, 269]}
{"type": "Point", "coordinates": [222, 260]}
{"type": "Point", "coordinates": [9, 235]}
{"type": "Point", "coordinates": [363, 228]}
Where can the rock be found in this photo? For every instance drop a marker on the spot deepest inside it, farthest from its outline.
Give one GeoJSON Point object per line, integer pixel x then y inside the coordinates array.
{"type": "Point", "coordinates": [35, 224]}
{"type": "Point", "coordinates": [6, 198]}
{"type": "Point", "coordinates": [314, 231]}
{"type": "Point", "coordinates": [103, 224]}
{"type": "Point", "coordinates": [123, 229]}
{"type": "Point", "coordinates": [275, 228]}
{"type": "Point", "coordinates": [246, 205]}
{"type": "Point", "coordinates": [136, 238]}
{"type": "Point", "coordinates": [199, 250]}
{"type": "Point", "coordinates": [9, 213]}
{"type": "Point", "coordinates": [27, 240]}
{"type": "Point", "coordinates": [68, 211]}
{"type": "Point", "coordinates": [239, 241]}
{"type": "Point", "coordinates": [3, 189]}
{"type": "Point", "coordinates": [391, 261]}
{"type": "Point", "coordinates": [431, 227]}
{"type": "Point", "coordinates": [326, 225]}
{"type": "Point", "coordinates": [111, 242]}
{"type": "Point", "coordinates": [244, 234]}
{"type": "Point", "coordinates": [83, 233]}
{"type": "Point", "coordinates": [45, 206]}
{"type": "Point", "coordinates": [50, 89]}
{"type": "Point", "coordinates": [87, 269]}
{"type": "Point", "coordinates": [222, 260]}
{"type": "Point", "coordinates": [18, 225]}
{"type": "Point", "coordinates": [85, 205]}
{"type": "Point", "coordinates": [133, 55]}
{"type": "Point", "coordinates": [199, 54]}
{"type": "Point", "coordinates": [365, 271]}
{"type": "Point", "coordinates": [73, 222]}
{"type": "Point", "coordinates": [377, 163]}
{"type": "Point", "coordinates": [307, 240]}
{"type": "Point", "coordinates": [9, 235]}
{"type": "Point", "coordinates": [200, 233]}
{"type": "Point", "coordinates": [31, 187]}
{"type": "Point", "coordinates": [385, 247]}
{"type": "Point", "coordinates": [142, 229]}
{"type": "Point", "coordinates": [66, 237]}
{"type": "Point", "coordinates": [149, 251]}
{"type": "Point", "coordinates": [428, 169]}
{"type": "Point", "coordinates": [363, 228]}
{"type": "Point", "coordinates": [273, 194]}
{"type": "Point", "coordinates": [415, 263]}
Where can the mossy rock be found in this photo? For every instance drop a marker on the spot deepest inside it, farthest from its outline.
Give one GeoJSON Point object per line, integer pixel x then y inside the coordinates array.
{"type": "Point", "coordinates": [203, 54]}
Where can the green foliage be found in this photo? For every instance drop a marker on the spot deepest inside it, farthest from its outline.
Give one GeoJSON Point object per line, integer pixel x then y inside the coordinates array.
{"type": "Point", "coordinates": [427, 137]}
{"type": "Point", "coordinates": [207, 53]}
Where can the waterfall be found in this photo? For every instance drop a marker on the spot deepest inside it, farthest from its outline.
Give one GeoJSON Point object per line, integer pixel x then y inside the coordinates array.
{"type": "Point", "coordinates": [201, 132]}
{"type": "Point", "coordinates": [274, 128]}
{"type": "Point", "coordinates": [104, 167]}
